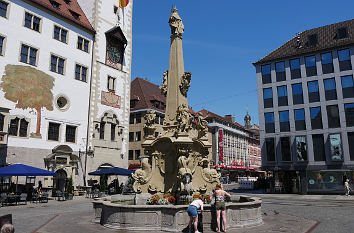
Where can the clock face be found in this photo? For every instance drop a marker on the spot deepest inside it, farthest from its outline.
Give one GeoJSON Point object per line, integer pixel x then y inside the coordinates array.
{"type": "Point", "coordinates": [114, 54]}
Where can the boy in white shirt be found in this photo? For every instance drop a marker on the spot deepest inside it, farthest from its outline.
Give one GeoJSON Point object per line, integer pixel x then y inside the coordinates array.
{"type": "Point", "coordinates": [193, 214]}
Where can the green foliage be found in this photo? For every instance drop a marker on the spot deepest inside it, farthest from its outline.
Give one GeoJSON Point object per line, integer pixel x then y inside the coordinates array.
{"type": "Point", "coordinates": [69, 186]}
{"type": "Point", "coordinates": [103, 183]}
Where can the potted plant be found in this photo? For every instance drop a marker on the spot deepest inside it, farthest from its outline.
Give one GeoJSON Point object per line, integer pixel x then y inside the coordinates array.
{"type": "Point", "coordinates": [69, 189]}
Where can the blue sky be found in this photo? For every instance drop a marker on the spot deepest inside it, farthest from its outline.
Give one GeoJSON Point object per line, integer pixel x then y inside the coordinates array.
{"type": "Point", "coordinates": [222, 38]}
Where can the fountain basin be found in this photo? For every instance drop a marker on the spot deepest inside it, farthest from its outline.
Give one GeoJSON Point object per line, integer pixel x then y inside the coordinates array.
{"type": "Point", "coordinates": [174, 218]}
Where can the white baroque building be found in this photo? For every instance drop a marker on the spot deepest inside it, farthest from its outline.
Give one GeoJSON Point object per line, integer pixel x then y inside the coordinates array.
{"type": "Point", "coordinates": [45, 66]}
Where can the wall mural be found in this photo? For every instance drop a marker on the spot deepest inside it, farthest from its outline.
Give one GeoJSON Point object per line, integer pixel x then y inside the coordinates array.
{"type": "Point", "coordinates": [28, 88]}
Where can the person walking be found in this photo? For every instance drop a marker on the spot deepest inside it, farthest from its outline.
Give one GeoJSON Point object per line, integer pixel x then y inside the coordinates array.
{"type": "Point", "coordinates": [347, 187]}
{"type": "Point", "coordinates": [219, 195]}
{"type": "Point", "coordinates": [193, 214]}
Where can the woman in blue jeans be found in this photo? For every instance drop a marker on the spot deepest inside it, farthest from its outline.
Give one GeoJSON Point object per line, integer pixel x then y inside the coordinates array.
{"type": "Point", "coordinates": [193, 214]}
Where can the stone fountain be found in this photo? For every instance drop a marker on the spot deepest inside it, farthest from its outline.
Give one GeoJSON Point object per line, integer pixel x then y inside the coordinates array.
{"type": "Point", "coordinates": [176, 163]}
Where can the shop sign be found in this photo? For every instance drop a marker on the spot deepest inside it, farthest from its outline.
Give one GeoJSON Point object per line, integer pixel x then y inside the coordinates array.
{"type": "Point", "coordinates": [236, 163]}
{"type": "Point", "coordinates": [61, 160]}
{"type": "Point", "coordinates": [221, 145]}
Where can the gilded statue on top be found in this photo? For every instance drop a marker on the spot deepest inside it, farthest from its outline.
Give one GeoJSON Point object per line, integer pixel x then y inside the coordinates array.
{"type": "Point", "coordinates": [176, 24]}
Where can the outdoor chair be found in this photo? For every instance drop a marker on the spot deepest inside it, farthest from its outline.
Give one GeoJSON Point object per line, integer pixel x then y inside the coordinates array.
{"type": "Point", "coordinates": [35, 197]}
{"type": "Point", "coordinates": [60, 195]}
{"type": "Point", "coordinates": [88, 194]}
{"type": "Point", "coordinates": [23, 198]}
{"type": "Point", "coordinates": [44, 197]}
{"type": "Point", "coordinates": [96, 194]}
{"type": "Point", "coordinates": [3, 199]}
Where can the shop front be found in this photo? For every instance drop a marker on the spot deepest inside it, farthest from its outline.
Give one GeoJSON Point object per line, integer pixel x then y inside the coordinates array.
{"type": "Point", "coordinates": [328, 181]}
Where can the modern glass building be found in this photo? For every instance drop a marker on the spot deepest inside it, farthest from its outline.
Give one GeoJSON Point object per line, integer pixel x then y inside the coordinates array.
{"type": "Point", "coordinates": [306, 110]}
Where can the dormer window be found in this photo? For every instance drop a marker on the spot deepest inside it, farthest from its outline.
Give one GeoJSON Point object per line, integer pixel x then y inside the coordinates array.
{"type": "Point", "coordinates": [342, 33]}
{"type": "Point", "coordinates": [75, 15]}
{"type": "Point", "coordinates": [55, 5]}
{"type": "Point", "coordinates": [312, 40]}
{"type": "Point", "coordinates": [67, 1]}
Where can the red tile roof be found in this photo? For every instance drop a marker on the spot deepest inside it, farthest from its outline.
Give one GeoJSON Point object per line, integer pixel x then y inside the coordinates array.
{"type": "Point", "coordinates": [326, 40]}
{"type": "Point", "coordinates": [65, 10]}
{"type": "Point", "coordinates": [145, 91]}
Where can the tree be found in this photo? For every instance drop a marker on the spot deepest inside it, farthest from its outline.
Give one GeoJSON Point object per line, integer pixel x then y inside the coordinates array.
{"type": "Point", "coordinates": [28, 88]}
{"type": "Point", "coordinates": [69, 186]}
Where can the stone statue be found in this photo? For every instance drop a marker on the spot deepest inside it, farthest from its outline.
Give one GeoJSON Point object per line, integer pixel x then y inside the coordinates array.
{"type": "Point", "coordinates": [185, 83]}
{"type": "Point", "coordinates": [184, 119]}
{"type": "Point", "coordinates": [209, 174]}
{"type": "Point", "coordinates": [143, 174]}
{"type": "Point", "coordinates": [201, 126]}
{"type": "Point", "coordinates": [163, 88]}
{"type": "Point", "coordinates": [149, 126]}
{"type": "Point", "coordinates": [176, 24]}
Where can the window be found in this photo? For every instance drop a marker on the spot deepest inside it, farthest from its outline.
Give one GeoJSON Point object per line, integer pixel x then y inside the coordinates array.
{"type": "Point", "coordinates": [301, 148]}
{"type": "Point", "coordinates": [131, 155]}
{"type": "Point", "coordinates": [75, 15]}
{"type": "Point", "coordinates": [113, 132]}
{"type": "Point", "coordinates": [344, 60]}
{"type": "Point", "coordinates": [349, 114]}
{"type": "Point", "coordinates": [269, 122]}
{"type": "Point", "coordinates": [351, 145]}
{"type": "Point", "coordinates": [342, 33]}
{"type": "Point", "coordinates": [266, 77]}
{"type": "Point", "coordinates": [80, 73]}
{"type": "Point", "coordinates": [131, 136]}
{"type": "Point", "coordinates": [53, 131]}
{"type": "Point", "coordinates": [314, 95]}
{"type": "Point", "coordinates": [55, 4]}
{"type": "Point", "coordinates": [60, 34]}
{"type": "Point", "coordinates": [268, 97]}
{"type": "Point", "coordinates": [28, 55]}
{"type": "Point", "coordinates": [310, 63]}
{"type": "Point", "coordinates": [137, 154]}
{"type": "Point", "coordinates": [316, 118]}
{"type": "Point", "coordinates": [285, 148]}
{"type": "Point", "coordinates": [3, 9]}
{"type": "Point", "coordinates": [284, 121]}
{"type": "Point", "coordinates": [330, 89]}
{"type": "Point", "coordinates": [280, 71]}
{"type": "Point", "coordinates": [83, 44]}
{"type": "Point", "coordinates": [131, 119]}
{"type": "Point", "coordinates": [312, 40]}
{"type": "Point", "coordinates": [70, 134]}
{"type": "Point", "coordinates": [102, 130]}
{"type": "Point", "coordinates": [18, 127]}
{"type": "Point", "coordinates": [2, 122]}
{"type": "Point", "coordinates": [335, 147]}
{"type": "Point", "coordinates": [327, 63]}
{"type": "Point", "coordinates": [297, 93]}
{"type": "Point", "coordinates": [57, 64]}
{"type": "Point", "coordinates": [270, 149]}
{"type": "Point", "coordinates": [300, 123]}
{"type": "Point", "coordinates": [295, 68]}
{"type": "Point", "coordinates": [347, 86]}
{"type": "Point", "coordinates": [318, 147]}
{"type": "Point", "coordinates": [2, 39]}
{"type": "Point", "coordinates": [111, 84]}
{"type": "Point", "coordinates": [333, 116]}
{"type": "Point", "coordinates": [138, 118]}
{"type": "Point", "coordinates": [282, 96]}
{"type": "Point", "coordinates": [32, 22]}
{"type": "Point", "coordinates": [138, 136]}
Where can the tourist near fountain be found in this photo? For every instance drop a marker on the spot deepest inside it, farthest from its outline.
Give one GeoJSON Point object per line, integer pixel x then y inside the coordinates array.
{"type": "Point", "coordinates": [175, 164]}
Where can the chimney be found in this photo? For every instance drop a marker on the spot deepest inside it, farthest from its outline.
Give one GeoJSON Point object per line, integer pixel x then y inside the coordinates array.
{"type": "Point", "coordinates": [229, 118]}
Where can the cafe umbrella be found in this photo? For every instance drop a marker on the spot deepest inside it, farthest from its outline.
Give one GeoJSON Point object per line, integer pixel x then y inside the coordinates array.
{"type": "Point", "coordinates": [23, 170]}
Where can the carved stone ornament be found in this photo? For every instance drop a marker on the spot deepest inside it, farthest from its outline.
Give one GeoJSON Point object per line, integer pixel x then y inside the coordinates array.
{"type": "Point", "coordinates": [184, 119]}
{"type": "Point", "coordinates": [201, 126]}
{"type": "Point", "coordinates": [210, 175]}
{"type": "Point", "coordinates": [163, 88]}
{"type": "Point", "coordinates": [143, 175]}
{"type": "Point", "coordinates": [185, 83]}
{"type": "Point", "coordinates": [176, 24]}
{"type": "Point", "coordinates": [149, 126]}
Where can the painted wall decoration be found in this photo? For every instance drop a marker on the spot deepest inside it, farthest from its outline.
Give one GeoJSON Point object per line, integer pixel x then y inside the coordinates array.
{"type": "Point", "coordinates": [110, 99]}
{"type": "Point", "coordinates": [28, 88]}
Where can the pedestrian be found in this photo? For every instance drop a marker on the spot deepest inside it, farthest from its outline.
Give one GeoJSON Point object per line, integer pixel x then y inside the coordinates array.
{"type": "Point", "coordinates": [347, 187]}
{"type": "Point", "coordinates": [220, 207]}
{"type": "Point", "coordinates": [193, 214]}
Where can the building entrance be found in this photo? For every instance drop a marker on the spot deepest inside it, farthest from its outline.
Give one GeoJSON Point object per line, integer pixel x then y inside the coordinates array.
{"type": "Point", "coordinates": [59, 182]}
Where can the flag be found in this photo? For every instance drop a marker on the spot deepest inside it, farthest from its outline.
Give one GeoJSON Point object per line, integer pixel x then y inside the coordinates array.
{"type": "Point", "coordinates": [123, 3]}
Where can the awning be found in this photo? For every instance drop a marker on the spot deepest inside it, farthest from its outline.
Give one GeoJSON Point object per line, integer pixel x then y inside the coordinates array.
{"type": "Point", "coordinates": [112, 171]}
{"type": "Point", "coordinates": [24, 170]}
